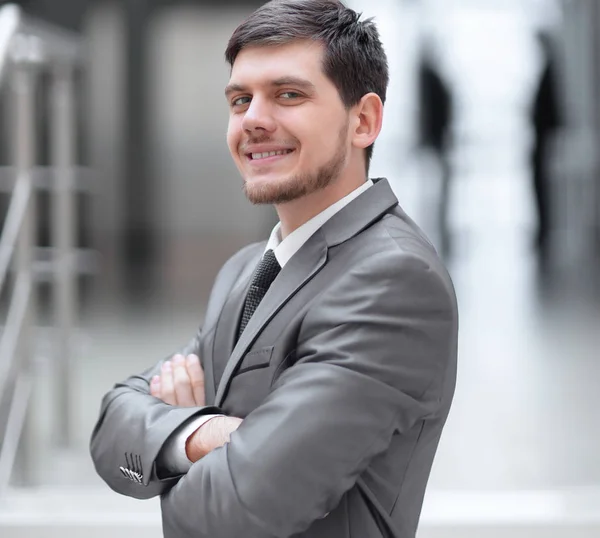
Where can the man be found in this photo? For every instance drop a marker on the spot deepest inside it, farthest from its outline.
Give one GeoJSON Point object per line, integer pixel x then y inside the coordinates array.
{"type": "Point", "coordinates": [546, 120]}
{"type": "Point", "coordinates": [311, 402]}
{"type": "Point", "coordinates": [435, 126]}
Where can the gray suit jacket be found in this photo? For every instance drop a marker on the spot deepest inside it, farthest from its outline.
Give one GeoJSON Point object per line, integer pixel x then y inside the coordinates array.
{"type": "Point", "coordinates": [344, 377]}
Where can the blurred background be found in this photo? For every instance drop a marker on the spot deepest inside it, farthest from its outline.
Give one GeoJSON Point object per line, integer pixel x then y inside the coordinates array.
{"type": "Point", "coordinates": [120, 203]}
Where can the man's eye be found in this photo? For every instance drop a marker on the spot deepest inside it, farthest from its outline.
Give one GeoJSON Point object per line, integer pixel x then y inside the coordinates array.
{"type": "Point", "coordinates": [239, 101]}
{"type": "Point", "coordinates": [289, 95]}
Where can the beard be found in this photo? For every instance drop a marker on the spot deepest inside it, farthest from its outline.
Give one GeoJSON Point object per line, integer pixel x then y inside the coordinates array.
{"type": "Point", "coordinates": [297, 186]}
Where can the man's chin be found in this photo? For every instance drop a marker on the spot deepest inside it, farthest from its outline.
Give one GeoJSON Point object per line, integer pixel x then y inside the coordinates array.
{"type": "Point", "coordinates": [272, 191]}
{"type": "Point", "coordinates": [260, 191]}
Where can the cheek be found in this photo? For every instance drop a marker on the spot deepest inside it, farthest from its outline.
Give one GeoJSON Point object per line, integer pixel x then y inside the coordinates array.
{"type": "Point", "coordinates": [321, 143]}
{"type": "Point", "coordinates": [312, 133]}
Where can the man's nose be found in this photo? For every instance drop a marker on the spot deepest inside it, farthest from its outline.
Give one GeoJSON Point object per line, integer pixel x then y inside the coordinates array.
{"type": "Point", "coordinates": [258, 116]}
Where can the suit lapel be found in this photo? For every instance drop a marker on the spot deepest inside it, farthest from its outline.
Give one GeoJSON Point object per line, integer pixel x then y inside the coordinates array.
{"type": "Point", "coordinates": [227, 326]}
{"type": "Point", "coordinates": [296, 273]}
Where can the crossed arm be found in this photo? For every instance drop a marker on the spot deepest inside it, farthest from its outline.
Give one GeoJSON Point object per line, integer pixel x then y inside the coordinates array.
{"type": "Point", "coordinates": [134, 425]}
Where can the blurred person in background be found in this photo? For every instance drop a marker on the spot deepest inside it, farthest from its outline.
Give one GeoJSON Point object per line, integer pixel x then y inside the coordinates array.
{"type": "Point", "coordinates": [312, 400]}
{"type": "Point", "coordinates": [546, 119]}
{"type": "Point", "coordinates": [435, 106]}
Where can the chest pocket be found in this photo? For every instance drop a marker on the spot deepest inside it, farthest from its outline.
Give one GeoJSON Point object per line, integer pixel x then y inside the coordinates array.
{"type": "Point", "coordinates": [260, 358]}
{"type": "Point", "coordinates": [250, 383]}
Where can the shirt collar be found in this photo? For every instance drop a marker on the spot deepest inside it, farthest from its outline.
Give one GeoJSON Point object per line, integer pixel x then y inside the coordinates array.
{"type": "Point", "coordinates": [284, 250]}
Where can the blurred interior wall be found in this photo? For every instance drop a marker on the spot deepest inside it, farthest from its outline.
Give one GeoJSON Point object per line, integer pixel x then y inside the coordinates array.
{"type": "Point", "coordinates": [105, 34]}
{"type": "Point", "coordinates": [596, 70]}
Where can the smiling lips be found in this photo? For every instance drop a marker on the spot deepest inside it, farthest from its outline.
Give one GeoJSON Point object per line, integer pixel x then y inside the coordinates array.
{"type": "Point", "coordinates": [267, 154]}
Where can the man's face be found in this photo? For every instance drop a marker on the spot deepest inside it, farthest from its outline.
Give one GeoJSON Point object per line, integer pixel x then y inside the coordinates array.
{"type": "Point", "coordinates": [288, 128]}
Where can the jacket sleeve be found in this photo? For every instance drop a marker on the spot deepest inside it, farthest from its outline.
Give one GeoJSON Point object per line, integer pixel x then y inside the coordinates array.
{"type": "Point", "coordinates": [133, 427]}
{"type": "Point", "coordinates": [372, 355]}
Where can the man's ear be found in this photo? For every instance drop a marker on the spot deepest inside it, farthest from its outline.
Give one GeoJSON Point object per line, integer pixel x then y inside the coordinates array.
{"type": "Point", "coordinates": [368, 119]}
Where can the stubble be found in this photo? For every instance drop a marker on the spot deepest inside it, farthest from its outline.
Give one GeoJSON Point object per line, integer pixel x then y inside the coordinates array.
{"type": "Point", "coordinates": [297, 186]}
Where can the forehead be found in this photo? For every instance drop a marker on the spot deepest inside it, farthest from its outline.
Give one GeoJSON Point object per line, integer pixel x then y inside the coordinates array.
{"type": "Point", "coordinates": [258, 65]}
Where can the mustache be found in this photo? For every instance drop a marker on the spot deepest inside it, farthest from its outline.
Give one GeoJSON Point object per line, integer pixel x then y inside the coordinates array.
{"type": "Point", "coordinates": [265, 139]}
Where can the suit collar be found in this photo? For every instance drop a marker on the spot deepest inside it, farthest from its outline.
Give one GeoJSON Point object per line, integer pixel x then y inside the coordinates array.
{"type": "Point", "coordinates": [360, 213]}
{"type": "Point", "coordinates": [286, 248]}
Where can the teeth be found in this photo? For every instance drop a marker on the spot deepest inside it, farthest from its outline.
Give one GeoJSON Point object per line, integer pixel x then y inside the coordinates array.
{"type": "Point", "coordinates": [270, 154]}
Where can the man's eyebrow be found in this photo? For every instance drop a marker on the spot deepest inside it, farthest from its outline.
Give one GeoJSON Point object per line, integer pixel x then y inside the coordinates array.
{"type": "Point", "coordinates": [282, 81]}
{"type": "Point", "coordinates": [230, 88]}
{"type": "Point", "coordinates": [294, 81]}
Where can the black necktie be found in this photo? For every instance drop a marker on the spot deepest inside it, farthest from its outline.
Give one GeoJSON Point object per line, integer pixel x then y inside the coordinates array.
{"type": "Point", "coordinates": [265, 273]}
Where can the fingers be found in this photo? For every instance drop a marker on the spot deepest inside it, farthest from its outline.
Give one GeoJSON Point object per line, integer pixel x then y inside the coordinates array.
{"type": "Point", "coordinates": [167, 385]}
{"type": "Point", "coordinates": [196, 374]}
{"type": "Point", "coordinates": [184, 395]}
{"type": "Point", "coordinates": [181, 382]}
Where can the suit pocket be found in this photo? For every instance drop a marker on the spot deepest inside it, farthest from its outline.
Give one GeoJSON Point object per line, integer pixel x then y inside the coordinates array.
{"type": "Point", "coordinates": [260, 358]}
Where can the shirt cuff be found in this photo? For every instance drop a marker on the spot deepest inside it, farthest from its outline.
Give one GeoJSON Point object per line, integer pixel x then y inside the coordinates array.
{"type": "Point", "coordinates": [173, 455]}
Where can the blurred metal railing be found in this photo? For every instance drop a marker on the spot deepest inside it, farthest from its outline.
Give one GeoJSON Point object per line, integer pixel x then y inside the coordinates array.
{"type": "Point", "coordinates": [28, 48]}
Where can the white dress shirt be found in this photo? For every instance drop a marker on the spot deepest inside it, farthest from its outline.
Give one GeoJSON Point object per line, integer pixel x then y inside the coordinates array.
{"type": "Point", "coordinates": [173, 454]}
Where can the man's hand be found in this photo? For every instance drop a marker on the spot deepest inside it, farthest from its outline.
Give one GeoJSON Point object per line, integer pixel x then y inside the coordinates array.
{"type": "Point", "coordinates": [210, 435]}
{"type": "Point", "coordinates": [181, 382]}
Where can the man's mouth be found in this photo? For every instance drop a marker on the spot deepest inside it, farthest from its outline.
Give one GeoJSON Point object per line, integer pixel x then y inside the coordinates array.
{"type": "Point", "coordinates": [268, 154]}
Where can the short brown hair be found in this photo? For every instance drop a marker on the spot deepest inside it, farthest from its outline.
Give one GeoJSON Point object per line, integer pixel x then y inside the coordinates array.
{"type": "Point", "coordinates": [354, 57]}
